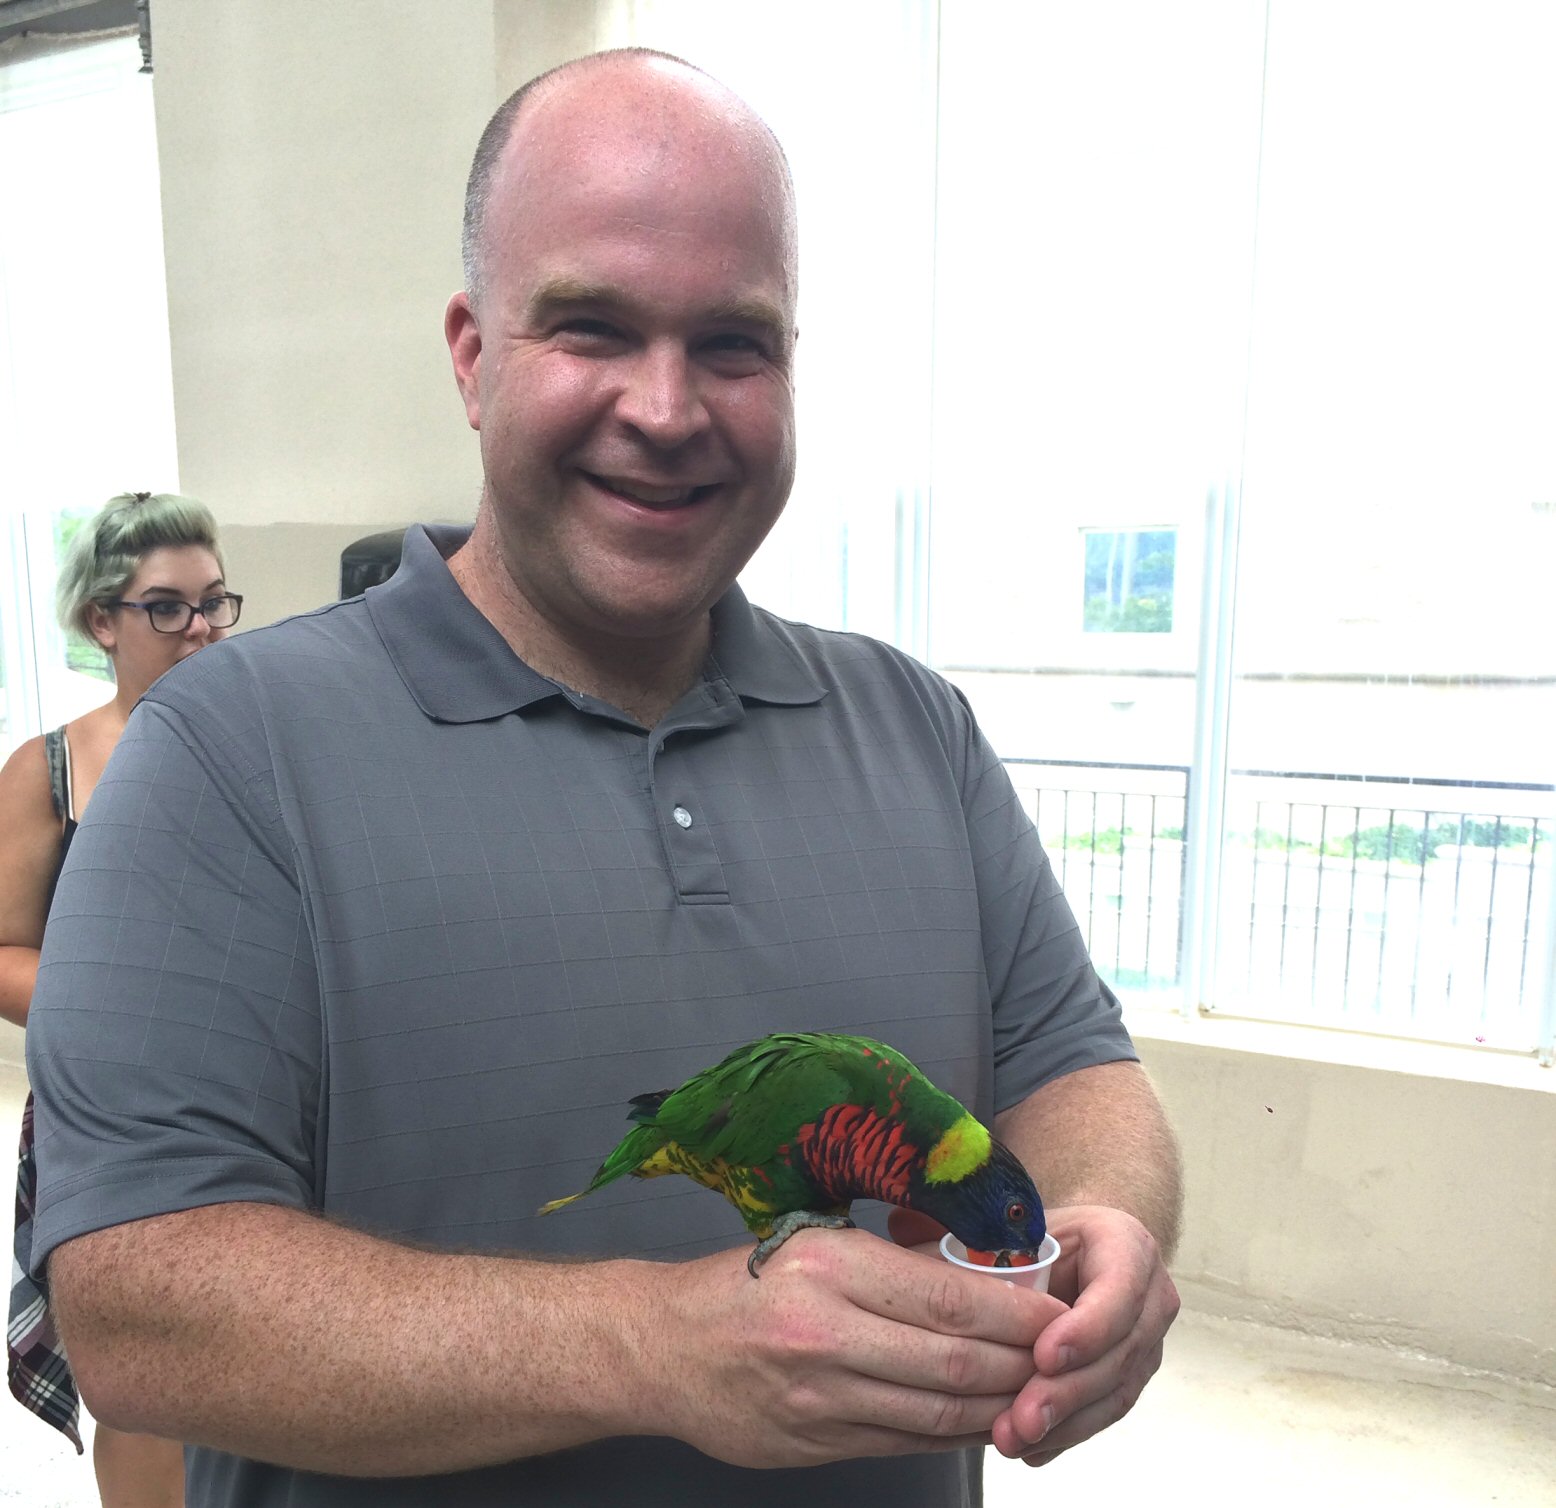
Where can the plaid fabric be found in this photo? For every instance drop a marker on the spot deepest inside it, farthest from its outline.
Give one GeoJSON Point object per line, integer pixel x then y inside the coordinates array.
{"type": "Point", "coordinates": [35, 1361]}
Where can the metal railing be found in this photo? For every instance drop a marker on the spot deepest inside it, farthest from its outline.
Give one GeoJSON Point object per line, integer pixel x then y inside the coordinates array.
{"type": "Point", "coordinates": [1115, 836]}
{"type": "Point", "coordinates": [1380, 903]}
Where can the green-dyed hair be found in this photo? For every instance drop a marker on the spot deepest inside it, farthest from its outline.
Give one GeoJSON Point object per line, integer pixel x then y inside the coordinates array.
{"type": "Point", "coordinates": [108, 549]}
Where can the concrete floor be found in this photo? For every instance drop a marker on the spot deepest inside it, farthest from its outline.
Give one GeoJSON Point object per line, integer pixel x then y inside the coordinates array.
{"type": "Point", "coordinates": [1241, 1416]}
{"type": "Point", "coordinates": [1246, 1416]}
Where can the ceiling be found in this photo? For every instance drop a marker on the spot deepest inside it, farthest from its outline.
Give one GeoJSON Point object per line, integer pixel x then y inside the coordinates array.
{"type": "Point", "coordinates": [64, 17]}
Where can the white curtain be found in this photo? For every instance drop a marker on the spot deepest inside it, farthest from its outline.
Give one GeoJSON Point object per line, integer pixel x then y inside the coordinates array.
{"type": "Point", "coordinates": [86, 399]}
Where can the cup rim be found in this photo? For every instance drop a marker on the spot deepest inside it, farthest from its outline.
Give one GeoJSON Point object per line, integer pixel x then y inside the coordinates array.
{"type": "Point", "coordinates": [1047, 1255]}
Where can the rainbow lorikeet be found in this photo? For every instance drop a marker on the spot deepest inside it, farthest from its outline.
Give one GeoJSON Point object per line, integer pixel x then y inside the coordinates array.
{"type": "Point", "coordinates": [794, 1127]}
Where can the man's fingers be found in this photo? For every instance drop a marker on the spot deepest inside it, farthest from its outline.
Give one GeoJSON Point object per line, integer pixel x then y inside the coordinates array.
{"type": "Point", "coordinates": [1105, 1315]}
{"type": "Point", "coordinates": [929, 1415]}
{"type": "Point", "coordinates": [913, 1322]}
{"type": "Point", "coordinates": [932, 1295]}
{"type": "Point", "coordinates": [861, 1347]}
{"type": "Point", "coordinates": [1084, 1423]}
{"type": "Point", "coordinates": [1123, 1288]}
{"type": "Point", "coordinates": [1093, 1361]}
{"type": "Point", "coordinates": [1053, 1414]}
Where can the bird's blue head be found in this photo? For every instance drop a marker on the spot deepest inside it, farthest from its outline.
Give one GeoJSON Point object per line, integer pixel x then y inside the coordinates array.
{"type": "Point", "coordinates": [995, 1209]}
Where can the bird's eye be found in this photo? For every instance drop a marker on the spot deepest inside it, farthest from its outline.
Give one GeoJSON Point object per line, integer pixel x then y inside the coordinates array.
{"type": "Point", "coordinates": [1015, 1212]}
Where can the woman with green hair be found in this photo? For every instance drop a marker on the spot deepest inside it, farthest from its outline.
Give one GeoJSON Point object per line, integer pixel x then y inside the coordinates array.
{"type": "Point", "coordinates": [144, 581]}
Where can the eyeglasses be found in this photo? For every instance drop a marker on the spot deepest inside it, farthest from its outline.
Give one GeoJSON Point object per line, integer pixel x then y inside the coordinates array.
{"type": "Point", "coordinates": [169, 616]}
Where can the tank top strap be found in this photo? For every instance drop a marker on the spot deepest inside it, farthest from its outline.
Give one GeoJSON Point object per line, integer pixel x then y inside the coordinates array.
{"type": "Point", "coordinates": [56, 749]}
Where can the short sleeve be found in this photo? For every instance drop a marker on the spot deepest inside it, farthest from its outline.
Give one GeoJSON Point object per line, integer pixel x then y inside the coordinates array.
{"type": "Point", "coordinates": [174, 1038]}
{"type": "Point", "coordinates": [1052, 1012]}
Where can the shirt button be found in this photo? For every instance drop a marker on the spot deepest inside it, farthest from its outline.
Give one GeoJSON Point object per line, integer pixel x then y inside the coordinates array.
{"type": "Point", "coordinates": [683, 818]}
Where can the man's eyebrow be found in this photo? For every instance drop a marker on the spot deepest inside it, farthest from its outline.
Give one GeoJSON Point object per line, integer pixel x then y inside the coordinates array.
{"type": "Point", "coordinates": [569, 292]}
{"type": "Point", "coordinates": [751, 311]}
{"type": "Point", "coordinates": [564, 291]}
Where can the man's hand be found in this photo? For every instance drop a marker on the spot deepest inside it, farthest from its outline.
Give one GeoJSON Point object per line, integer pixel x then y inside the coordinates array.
{"type": "Point", "coordinates": [846, 1346]}
{"type": "Point", "coordinates": [1096, 1357]}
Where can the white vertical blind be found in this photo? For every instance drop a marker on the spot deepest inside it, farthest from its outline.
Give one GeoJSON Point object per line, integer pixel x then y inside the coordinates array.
{"type": "Point", "coordinates": [850, 90]}
{"type": "Point", "coordinates": [1393, 642]}
{"type": "Point", "coordinates": [86, 398]}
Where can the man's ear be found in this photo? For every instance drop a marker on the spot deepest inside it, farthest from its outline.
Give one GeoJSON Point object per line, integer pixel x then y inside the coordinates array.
{"type": "Point", "coordinates": [463, 335]}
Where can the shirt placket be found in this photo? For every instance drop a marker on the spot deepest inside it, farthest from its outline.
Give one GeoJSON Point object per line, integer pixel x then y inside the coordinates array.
{"type": "Point", "coordinates": [685, 821]}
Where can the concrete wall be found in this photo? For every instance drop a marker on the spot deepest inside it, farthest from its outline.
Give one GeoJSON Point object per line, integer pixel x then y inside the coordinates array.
{"type": "Point", "coordinates": [286, 568]}
{"type": "Point", "coordinates": [313, 162]}
{"type": "Point", "coordinates": [1411, 1205]}
{"type": "Point", "coordinates": [313, 165]}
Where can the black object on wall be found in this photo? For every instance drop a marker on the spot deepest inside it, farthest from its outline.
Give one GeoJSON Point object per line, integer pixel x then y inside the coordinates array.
{"type": "Point", "coordinates": [368, 561]}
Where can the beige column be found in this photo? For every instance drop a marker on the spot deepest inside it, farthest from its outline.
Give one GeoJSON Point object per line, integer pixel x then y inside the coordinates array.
{"type": "Point", "coordinates": [313, 161]}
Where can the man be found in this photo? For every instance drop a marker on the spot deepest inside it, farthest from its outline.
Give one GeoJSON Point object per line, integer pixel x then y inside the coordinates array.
{"type": "Point", "coordinates": [415, 892]}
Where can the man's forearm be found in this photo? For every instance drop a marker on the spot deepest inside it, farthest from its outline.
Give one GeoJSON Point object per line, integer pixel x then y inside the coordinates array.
{"type": "Point", "coordinates": [1099, 1136]}
{"type": "Point", "coordinates": [273, 1334]}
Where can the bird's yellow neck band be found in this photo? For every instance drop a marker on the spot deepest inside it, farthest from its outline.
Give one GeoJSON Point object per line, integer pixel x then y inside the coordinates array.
{"type": "Point", "coordinates": [961, 1151]}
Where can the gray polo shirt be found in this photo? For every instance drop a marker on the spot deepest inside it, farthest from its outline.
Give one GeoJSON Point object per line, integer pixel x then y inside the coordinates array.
{"type": "Point", "coordinates": [367, 917]}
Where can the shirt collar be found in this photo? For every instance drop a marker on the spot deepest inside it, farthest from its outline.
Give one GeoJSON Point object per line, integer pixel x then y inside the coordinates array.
{"type": "Point", "coordinates": [454, 663]}
{"type": "Point", "coordinates": [755, 653]}
{"type": "Point", "coordinates": [459, 669]}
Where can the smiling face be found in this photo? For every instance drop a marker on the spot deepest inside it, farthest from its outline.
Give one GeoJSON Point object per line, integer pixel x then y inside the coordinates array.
{"type": "Point", "coordinates": [173, 573]}
{"type": "Point", "coordinates": [629, 367]}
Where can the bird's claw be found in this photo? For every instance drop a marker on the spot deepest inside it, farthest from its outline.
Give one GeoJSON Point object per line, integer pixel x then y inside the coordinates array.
{"type": "Point", "coordinates": [785, 1227]}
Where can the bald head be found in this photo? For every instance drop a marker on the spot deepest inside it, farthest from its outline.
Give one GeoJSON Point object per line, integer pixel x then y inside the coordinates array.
{"type": "Point", "coordinates": [632, 94]}
{"type": "Point", "coordinates": [625, 349]}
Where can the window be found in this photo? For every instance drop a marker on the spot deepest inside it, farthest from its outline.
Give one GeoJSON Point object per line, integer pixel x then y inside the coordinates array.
{"type": "Point", "coordinates": [1390, 823]}
{"type": "Point", "coordinates": [1279, 269]}
{"type": "Point", "coordinates": [852, 548]}
{"type": "Point", "coordinates": [86, 402]}
{"type": "Point", "coordinates": [1128, 580]}
{"type": "Point", "coordinates": [1288, 281]}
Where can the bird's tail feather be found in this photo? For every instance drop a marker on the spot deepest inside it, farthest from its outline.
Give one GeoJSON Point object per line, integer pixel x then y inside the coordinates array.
{"type": "Point", "coordinates": [638, 1148]}
{"type": "Point", "coordinates": [555, 1204]}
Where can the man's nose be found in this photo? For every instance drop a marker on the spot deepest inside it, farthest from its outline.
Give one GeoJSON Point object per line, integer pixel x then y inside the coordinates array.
{"type": "Point", "coordinates": [660, 397]}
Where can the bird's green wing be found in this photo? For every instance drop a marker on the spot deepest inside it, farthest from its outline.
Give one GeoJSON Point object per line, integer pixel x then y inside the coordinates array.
{"type": "Point", "coordinates": [744, 1109]}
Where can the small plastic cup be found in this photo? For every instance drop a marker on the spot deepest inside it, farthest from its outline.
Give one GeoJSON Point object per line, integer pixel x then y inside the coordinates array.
{"type": "Point", "coordinates": [1033, 1275]}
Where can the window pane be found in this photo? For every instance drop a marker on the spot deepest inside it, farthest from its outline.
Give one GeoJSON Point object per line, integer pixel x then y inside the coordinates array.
{"type": "Point", "coordinates": [844, 554]}
{"type": "Point", "coordinates": [1390, 813]}
{"type": "Point", "coordinates": [1129, 580]}
{"type": "Point", "coordinates": [86, 405]}
{"type": "Point", "coordinates": [1097, 175]}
